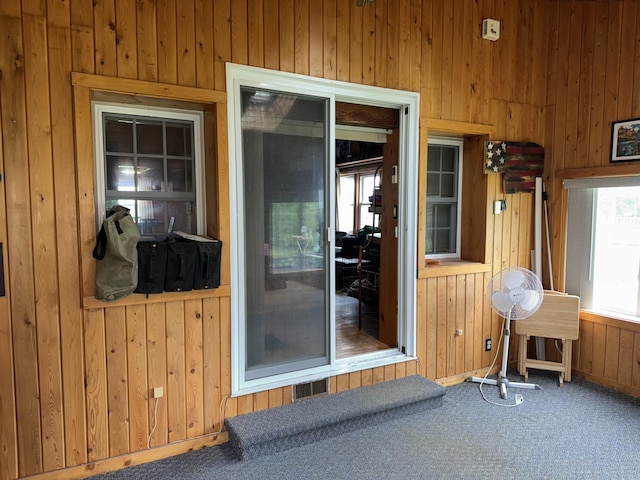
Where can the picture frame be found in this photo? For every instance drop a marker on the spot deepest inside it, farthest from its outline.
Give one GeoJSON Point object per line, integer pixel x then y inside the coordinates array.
{"type": "Point", "coordinates": [625, 140]}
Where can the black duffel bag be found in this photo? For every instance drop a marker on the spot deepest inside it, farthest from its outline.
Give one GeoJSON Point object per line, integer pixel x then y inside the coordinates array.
{"type": "Point", "coordinates": [181, 265]}
{"type": "Point", "coordinates": [207, 273]}
{"type": "Point", "coordinates": [152, 264]}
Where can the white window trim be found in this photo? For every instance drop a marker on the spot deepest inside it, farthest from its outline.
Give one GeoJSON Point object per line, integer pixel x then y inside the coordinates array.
{"type": "Point", "coordinates": [240, 75]}
{"type": "Point", "coordinates": [458, 142]}
{"type": "Point", "coordinates": [98, 108]}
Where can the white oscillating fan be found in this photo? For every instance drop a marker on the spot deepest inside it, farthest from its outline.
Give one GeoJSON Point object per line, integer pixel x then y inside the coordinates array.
{"type": "Point", "coordinates": [515, 293]}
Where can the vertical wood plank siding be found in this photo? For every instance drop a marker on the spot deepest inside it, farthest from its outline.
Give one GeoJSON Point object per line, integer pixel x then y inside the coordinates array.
{"type": "Point", "coordinates": [593, 79]}
{"type": "Point", "coordinates": [76, 384]}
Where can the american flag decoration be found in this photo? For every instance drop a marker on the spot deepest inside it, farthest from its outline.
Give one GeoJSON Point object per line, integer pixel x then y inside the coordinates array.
{"type": "Point", "coordinates": [519, 162]}
{"type": "Point", "coordinates": [494, 156]}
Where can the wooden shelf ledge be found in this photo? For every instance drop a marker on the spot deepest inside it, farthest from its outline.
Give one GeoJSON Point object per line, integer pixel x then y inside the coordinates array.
{"type": "Point", "coordinates": [164, 297]}
{"type": "Point", "coordinates": [465, 129]}
{"type": "Point", "coordinates": [458, 267]}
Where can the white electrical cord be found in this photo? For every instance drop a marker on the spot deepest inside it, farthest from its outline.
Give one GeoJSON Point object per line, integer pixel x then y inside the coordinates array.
{"type": "Point", "coordinates": [555, 342]}
{"type": "Point", "coordinates": [223, 408]}
{"type": "Point", "coordinates": [223, 411]}
{"type": "Point", "coordinates": [420, 366]}
{"type": "Point", "coordinates": [518, 402]}
{"type": "Point", "coordinates": [155, 423]}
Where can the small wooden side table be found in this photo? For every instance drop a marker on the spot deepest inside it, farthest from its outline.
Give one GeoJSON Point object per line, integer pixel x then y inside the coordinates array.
{"type": "Point", "coordinates": [559, 318]}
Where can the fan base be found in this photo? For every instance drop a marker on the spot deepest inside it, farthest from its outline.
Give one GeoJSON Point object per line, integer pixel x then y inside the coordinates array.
{"type": "Point", "coordinates": [504, 383]}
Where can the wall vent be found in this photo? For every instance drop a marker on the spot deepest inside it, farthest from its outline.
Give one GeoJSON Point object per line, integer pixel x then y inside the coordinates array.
{"type": "Point", "coordinates": [303, 391]}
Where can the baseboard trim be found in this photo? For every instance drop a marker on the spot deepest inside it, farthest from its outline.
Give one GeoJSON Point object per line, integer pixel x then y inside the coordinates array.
{"type": "Point", "coordinates": [462, 377]}
{"type": "Point", "coordinates": [605, 382]}
{"type": "Point", "coordinates": [131, 459]}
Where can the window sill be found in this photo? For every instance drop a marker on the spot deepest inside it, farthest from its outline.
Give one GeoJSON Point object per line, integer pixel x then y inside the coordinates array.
{"type": "Point", "coordinates": [610, 318]}
{"type": "Point", "coordinates": [164, 297]}
{"type": "Point", "coordinates": [453, 267]}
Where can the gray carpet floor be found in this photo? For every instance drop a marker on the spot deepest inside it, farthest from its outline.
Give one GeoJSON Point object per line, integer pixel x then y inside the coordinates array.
{"type": "Point", "coordinates": [579, 431]}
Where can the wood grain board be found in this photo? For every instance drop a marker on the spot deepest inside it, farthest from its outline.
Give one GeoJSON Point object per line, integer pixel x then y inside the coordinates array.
{"type": "Point", "coordinates": [76, 390]}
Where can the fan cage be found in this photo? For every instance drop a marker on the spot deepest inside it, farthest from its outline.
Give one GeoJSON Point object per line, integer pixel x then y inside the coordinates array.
{"type": "Point", "coordinates": [530, 282]}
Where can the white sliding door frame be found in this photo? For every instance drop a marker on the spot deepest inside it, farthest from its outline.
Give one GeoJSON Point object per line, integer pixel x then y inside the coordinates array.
{"type": "Point", "coordinates": [408, 105]}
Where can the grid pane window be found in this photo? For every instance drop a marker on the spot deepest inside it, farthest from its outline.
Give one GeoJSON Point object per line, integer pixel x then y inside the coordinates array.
{"type": "Point", "coordinates": [443, 177]}
{"type": "Point", "coordinates": [149, 167]}
{"type": "Point", "coordinates": [148, 137]}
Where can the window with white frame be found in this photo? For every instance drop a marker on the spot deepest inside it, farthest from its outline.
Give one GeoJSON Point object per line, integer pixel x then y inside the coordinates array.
{"type": "Point", "coordinates": [346, 205]}
{"type": "Point", "coordinates": [444, 177]}
{"type": "Point", "coordinates": [150, 160]}
{"type": "Point", "coordinates": [368, 185]}
{"type": "Point", "coordinates": [603, 244]}
{"type": "Point", "coordinates": [355, 208]}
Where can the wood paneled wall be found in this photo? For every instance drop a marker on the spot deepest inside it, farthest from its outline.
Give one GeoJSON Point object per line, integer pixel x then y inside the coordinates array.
{"type": "Point", "coordinates": [75, 384]}
{"type": "Point", "coordinates": [593, 79]}
{"type": "Point", "coordinates": [608, 353]}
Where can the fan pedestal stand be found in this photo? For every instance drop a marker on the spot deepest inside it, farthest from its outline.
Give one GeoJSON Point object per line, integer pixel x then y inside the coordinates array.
{"type": "Point", "coordinates": [502, 381]}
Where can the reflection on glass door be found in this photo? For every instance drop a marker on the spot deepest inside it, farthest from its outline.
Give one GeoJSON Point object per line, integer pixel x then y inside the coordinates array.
{"type": "Point", "coordinates": [285, 151]}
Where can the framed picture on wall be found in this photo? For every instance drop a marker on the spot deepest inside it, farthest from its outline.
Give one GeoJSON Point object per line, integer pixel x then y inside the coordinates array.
{"type": "Point", "coordinates": [625, 140]}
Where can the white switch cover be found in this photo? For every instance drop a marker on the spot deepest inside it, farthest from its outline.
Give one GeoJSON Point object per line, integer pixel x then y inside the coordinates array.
{"type": "Point", "coordinates": [490, 29]}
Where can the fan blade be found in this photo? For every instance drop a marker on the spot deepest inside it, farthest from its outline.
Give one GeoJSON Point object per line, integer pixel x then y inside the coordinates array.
{"type": "Point", "coordinates": [513, 279]}
{"type": "Point", "coordinates": [530, 300]}
{"type": "Point", "coordinates": [502, 301]}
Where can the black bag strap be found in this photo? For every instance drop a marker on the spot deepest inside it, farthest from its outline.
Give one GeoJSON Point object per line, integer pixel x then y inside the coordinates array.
{"type": "Point", "coordinates": [208, 265]}
{"type": "Point", "coordinates": [100, 250]}
{"type": "Point", "coordinates": [181, 261]}
{"type": "Point", "coordinates": [152, 259]}
{"type": "Point", "coordinates": [149, 272]}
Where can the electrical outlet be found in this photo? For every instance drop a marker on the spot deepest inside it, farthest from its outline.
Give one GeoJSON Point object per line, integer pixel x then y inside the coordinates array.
{"type": "Point", "coordinates": [487, 345]}
{"type": "Point", "coordinates": [157, 392]}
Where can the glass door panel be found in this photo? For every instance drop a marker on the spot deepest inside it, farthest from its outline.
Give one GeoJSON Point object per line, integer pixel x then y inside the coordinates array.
{"type": "Point", "coordinates": [285, 158]}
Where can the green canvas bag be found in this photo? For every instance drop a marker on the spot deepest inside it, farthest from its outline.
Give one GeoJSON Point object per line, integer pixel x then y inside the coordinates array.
{"type": "Point", "coordinates": [115, 250]}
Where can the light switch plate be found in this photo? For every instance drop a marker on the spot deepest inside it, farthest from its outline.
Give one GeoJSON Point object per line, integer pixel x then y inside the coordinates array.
{"type": "Point", "coordinates": [490, 29]}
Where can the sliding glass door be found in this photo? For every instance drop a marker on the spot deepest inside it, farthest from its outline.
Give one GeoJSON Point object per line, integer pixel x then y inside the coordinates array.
{"type": "Point", "coordinates": [282, 130]}
{"type": "Point", "coordinates": [285, 161]}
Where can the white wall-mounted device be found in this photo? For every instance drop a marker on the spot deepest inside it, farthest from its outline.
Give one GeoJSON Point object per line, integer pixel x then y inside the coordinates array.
{"type": "Point", "coordinates": [490, 29]}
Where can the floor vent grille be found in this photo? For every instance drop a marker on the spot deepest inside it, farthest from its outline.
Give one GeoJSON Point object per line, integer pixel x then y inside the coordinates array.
{"type": "Point", "coordinates": [303, 391]}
